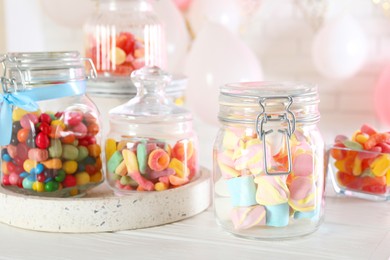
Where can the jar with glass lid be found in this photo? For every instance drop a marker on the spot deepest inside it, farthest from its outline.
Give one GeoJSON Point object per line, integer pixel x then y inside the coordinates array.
{"type": "Point", "coordinates": [122, 36]}
{"type": "Point", "coordinates": [151, 145]}
{"type": "Point", "coordinates": [50, 129]}
{"type": "Point", "coordinates": [269, 160]}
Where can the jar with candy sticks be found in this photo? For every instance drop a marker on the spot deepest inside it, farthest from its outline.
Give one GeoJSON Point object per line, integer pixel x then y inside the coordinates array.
{"type": "Point", "coordinates": [151, 145]}
{"type": "Point", "coordinates": [122, 36]}
{"type": "Point", "coordinates": [50, 130]}
{"type": "Point", "coordinates": [269, 160]}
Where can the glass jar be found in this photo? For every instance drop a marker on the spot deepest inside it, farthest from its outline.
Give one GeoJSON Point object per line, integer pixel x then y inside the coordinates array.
{"type": "Point", "coordinates": [269, 160]}
{"type": "Point", "coordinates": [50, 128]}
{"type": "Point", "coordinates": [151, 145]}
{"type": "Point", "coordinates": [122, 36]}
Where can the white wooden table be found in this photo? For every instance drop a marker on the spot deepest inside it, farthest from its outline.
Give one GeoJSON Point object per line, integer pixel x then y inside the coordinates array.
{"type": "Point", "coordinates": [353, 229]}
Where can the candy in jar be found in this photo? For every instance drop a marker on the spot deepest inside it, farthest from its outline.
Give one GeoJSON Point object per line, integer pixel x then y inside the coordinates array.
{"type": "Point", "coordinates": [269, 160]}
{"type": "Point", "coordinates": [122, 36]}
{"type": "Point", "coordinates": [50, 129]}
{"type": "Point", "coordinates": [151, 145]}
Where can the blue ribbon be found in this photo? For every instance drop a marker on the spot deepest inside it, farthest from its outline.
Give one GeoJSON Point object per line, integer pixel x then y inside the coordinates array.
{"type": "Point", "coordinates": [27, 100]}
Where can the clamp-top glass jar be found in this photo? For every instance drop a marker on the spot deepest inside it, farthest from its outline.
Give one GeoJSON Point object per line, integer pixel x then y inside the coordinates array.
{"type": "Point", "coordinates": [50, 128]}
{"type": "Point", "coordinates": [122, 36]}
{"type": "Point", "coordinates": [269, 160]}
{"type": "Point", "coordinates": [151, 144]}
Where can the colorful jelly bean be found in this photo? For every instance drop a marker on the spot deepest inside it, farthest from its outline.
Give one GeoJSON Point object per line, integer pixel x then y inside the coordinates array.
{"type": "Point", "coordinates": [52, 152]}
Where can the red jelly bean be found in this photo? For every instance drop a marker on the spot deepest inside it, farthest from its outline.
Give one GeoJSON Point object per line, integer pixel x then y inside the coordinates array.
{"type": "Point", "coordinates": [5, 180]}
{"type": "Point", "coordinates": [80, 130]}
{"type": "Point", "coordinates": [375, 139]}
{"type": "Point", "coordinates": [11, 167]}
{"type": "Point", "coordinates": [18, 160]}
{"type": "Point", "coordinates": [58, 115]}
{"type": "Point", "coordinates": [93, 129]}
{"type": "Point", "coordinates": [45, 118]}
{"type": "Point", "coordinates": [73, 118]}
{"type": "Point", "coordinates": [41, 177]}
{"type": "Point", "coordinates": [69, 181]}
{"type": "Point", "coordinates": [22, 150]}
{"type": "Point", "coordinates": [367, 129]}
{"type": "Point", "coordinates": [42, 140]}
{"type": "Point", "coordinates": [44, 128]}
{"type": "Point", "coordinates": [90, 169]}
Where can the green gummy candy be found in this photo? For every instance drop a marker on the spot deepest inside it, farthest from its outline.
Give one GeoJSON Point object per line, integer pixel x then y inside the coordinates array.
{"type": "Point", "coordinates": [353, 145]}
{"type": "Point", "coordinates": [141, 157]}
{"type": "Point", "coordinates": [115, 160]}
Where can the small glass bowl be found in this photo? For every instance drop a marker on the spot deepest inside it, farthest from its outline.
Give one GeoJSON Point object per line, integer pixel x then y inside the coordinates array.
{"type": "Point", "coordinates": [359, 173]}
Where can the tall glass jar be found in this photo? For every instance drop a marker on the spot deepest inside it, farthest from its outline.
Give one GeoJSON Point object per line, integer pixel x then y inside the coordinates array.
{"type": "Point", "coordinates": [151, 145]}
{"type": "Point", "coordinates": [122, 36]}
{"type": "Point", "coordinates": [269, 160]}
{"type": "Point", "coordinates": [50, 129]}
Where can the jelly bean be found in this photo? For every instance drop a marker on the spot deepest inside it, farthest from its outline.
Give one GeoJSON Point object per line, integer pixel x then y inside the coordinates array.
{"type": "Point", "coordinates": [54, 163]}
{"type": "Point", "coordinates": [19, 169]}
{"type": "Point", "coordinates": [27, 184]}
{"type": "Point", "coordinates": [4, 167]}
{"type": "Point", "coordinates": [83, 153]}
{"type": "Point", "coordinates": [23, 134]}
{"type": "Point", "coordinates": [58, 114]}
{"type": "Point", "coordinates": [42, 140]}
{"type": "Point", "coordinates": [90, 118]}
{"type": "Point", "coordinates": [37, 169]}
{"type": "Point", "coordinates": [11, 150]}
{"type": "Point", "coordinates": [55, 131]}
{"type": "Point", "coordinates": [90, 169]}
{"type": "Point", "coordinates": [44, 128]}
{"type": "Point", "coordinates": [93, 129]}
{"type": "Point", "coordinates": [98, 163]}
{"type": "Point", "coordinates": [89, 160]}
{"type": "Point", "coordinates": [361, 138]}
{"type": "Point", "coordinates": [81, 167]}
{"type": "Point", "coordinates": [70, 167]}
{"type": "Point", "coordinates": [80, 130]}
{"type": "Point", "coordinates": [41, 177]}
{"type": "Point", "coordinates": [73, 192]}
{"type": "Point", "coordinates": [97, 177]}
{"type": "Point", "coordinates": [82, 178]}
{"type": "Point", "coordinates": [13, 178]}
{"type": "Point", "coordinates": [45, 118]}
{"type": "Point", "coordinates": [110, 148]}
{"type": "Point", "coordinates": [38, 155]}
{"type": "Point", "coordinates": [69, 152]}
{"type": "Point", "coordinates": [38, 186]}
{"type": "Point", "coordinates": [73, 118]}
{"type": "Point", "coordinates": [28, 121]}
{"type": "Point", "coordinates": [69, 181]}
{"type": "Point", "coordinates": [5, 180]}
{"type": "Point", "coordinates": [94, 150]}
{"type": "Point", "coordinates": [55, 149]}
{"type": "Point", "coordinates": [385, 147]}
{"type": "Point", "coordinates": [6, 157]}
{"type": "Point", "coordinates": [50, 186]}
{"type": "Point", "coordinates": [23, 174]}
{"type": "Point", "coordinates": [60, 176]}
{"type": "Point", "coordinates": [22, 151]}
{"type": "Point", "coordinates": [58, 123]}
{"type": "Point", "coordinates": [28, 165]}
{"type": "Point", "coordinates": [69, 139]}
{"type": "Point", "coordinates": [32, 177]}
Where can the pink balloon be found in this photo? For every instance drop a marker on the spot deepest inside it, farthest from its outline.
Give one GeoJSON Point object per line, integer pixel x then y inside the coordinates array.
{"type": "Point", "coordinates": [217, 57]}
{"type": "Point", "coordinates": [183, 5]}
{"type": "Point", "coordinates": [382, 96]}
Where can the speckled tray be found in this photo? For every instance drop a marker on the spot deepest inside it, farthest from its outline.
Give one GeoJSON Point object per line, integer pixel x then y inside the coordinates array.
{"type": "Point", "coordinates": [101, 210]}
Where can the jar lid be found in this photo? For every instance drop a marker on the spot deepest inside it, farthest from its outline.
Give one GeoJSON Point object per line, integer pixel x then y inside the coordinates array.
{"type": "Point", "coordinates": [25, 69]}
{"type": "Point", "coordinates": [115, 87]}
{"type": "Point", "coordinates": [150, 103]}
{"type": "Point", "coordinates": [245, 102]}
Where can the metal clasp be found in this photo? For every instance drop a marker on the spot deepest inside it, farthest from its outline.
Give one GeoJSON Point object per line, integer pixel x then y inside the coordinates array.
{"type": "Point", "coordinates": [92, 72]}
{"type": "Point", "coordinates": [285, 118]}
